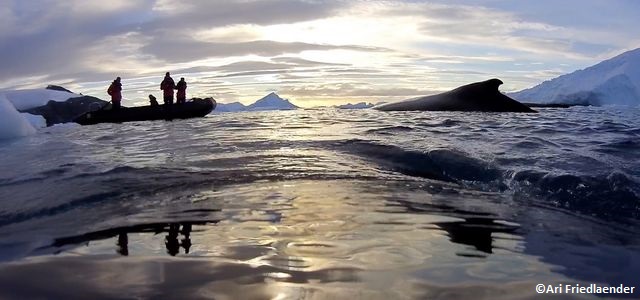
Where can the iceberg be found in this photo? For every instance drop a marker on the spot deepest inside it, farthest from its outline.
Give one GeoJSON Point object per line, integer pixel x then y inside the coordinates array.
{"type": "Point", "coordinates": [12, 123]}
{"type": "Point", "coordinates": [230, 107]}
{"type": "Point", "coordinates": [615, 81]}
{"type": "Point", "coordinates": [360, 105]}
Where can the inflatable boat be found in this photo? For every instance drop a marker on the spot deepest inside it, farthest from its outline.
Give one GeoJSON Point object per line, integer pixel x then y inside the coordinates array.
{"type": "Point", "coordinates": [195, 108]}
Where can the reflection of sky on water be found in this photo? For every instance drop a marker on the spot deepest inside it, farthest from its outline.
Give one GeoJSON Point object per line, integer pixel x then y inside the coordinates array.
{"type": "Point", "coordinates": [303, 238]}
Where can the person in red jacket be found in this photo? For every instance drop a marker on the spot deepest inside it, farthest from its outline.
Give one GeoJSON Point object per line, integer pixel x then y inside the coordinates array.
{"type": "Point", "coordinates": [115, 91]}
{"type": "Point", "coordinates": [181, 95]}
{"type": "Point", "coordinates": [167, 86]}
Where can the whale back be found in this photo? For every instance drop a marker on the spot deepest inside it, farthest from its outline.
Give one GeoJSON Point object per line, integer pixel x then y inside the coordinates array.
{"type": "Point", "coordinates": [479, 96]}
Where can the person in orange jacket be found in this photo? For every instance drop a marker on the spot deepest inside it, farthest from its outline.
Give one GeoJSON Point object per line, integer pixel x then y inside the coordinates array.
{"type": "Point", "coordinates": [181, 95]}
{"type": "Point", "coordinates": [167, 86]}
{"type": "Point", "coordinates": [115, 91]}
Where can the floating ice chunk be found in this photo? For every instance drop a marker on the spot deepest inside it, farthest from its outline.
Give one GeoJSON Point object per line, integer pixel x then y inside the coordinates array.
{"type": "Point", "coordinates": [35, 120]}
{"type": "Point", "coordinates": [12, 123]}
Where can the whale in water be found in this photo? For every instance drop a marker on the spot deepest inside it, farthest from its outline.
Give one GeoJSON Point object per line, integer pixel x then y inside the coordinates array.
{"type": "Point", "coordinates": [479, 96]}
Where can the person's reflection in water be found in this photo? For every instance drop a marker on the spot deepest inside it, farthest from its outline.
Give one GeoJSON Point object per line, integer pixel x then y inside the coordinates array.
{"type": "Point", "coordinates": [171, 241]}
{"type": "Point", "coordinates": [186, 241]}
{"type": "Point", "coordinates": [476, 232]}
{"type": "Point", "coordinates": [123, 244]}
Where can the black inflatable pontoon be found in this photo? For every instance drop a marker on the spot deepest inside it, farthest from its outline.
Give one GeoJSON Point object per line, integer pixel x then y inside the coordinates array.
{"type": "Point", "coordinates": [196, 108]}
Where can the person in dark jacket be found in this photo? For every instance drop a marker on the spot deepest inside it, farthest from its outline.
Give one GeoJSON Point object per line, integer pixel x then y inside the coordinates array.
{"type": "Point", "coordinates": [181, 95]}
{"type": "Point", "coordinates": [153, 101]}
{"type": "Point", "coordinates": [115, 91]}
{"type": "Point", "coordinates": [167, 86]}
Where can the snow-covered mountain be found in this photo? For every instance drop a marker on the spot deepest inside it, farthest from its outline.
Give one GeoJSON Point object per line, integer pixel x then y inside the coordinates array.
{"type": "Point", "coordinates": [269, 102]}
{"type": "Point", "coordinates": [613, 81]}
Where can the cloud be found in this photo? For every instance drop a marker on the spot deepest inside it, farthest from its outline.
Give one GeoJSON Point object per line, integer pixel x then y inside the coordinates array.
{"type": "Point", "coordinates": [52, 37]}
{"type": "Point", "coordinates": [205, 14]}
{"type": "Point", "coordinates": [352, 90]}
{"type": "Point", "coordinates": [43, 37]}
{"type": "Point", "coordinates": [174, 50]}
{"type": "Point", "coordinates": [342, 48]}
{"type": "Point", "coordinates": [458, 24]}
{"type": "Point", "coordinates": [307, 63]}
{"type": "Point", "coordinates": [510, 27]}
{"type": "Point", "coordinates": [283, 65]}
{"type": "Point", "coordinates": [277, 65]}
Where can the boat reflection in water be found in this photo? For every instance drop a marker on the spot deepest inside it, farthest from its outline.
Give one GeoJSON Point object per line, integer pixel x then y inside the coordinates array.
{"type": "Point", "coordinates": [178, 235]}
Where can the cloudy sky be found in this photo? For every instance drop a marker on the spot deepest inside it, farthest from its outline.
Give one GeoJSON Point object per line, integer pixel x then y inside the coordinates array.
{"type": "Point", "coordinates": [310, 51]}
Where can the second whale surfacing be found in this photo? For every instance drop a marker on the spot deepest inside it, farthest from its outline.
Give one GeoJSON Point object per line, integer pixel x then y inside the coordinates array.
{"type": "Point", "coordinates": [480, 96]}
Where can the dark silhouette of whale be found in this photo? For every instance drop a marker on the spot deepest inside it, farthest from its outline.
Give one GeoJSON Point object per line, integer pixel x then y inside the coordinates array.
{"type": "Point", "coordinates": [479, 96]}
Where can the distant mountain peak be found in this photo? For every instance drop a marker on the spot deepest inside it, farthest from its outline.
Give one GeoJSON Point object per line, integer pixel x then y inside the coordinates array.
{"type": "Point", "coordinates": [272, 101]}
{"type": "Point", "coordinates": [269, 102]}
{"type": "Point", "coordinates": [612, 81]}
{"type": "Point", "coordinates": [272, 96]}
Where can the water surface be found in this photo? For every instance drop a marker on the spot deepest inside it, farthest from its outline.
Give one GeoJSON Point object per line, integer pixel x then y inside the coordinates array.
{"type": "Point", "coordinates": [324, 204]}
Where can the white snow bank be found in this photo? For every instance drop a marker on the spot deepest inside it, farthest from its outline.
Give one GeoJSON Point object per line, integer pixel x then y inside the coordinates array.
{"type": "Point", "coordinates": [12, 123]}
{"type": "Point", "coordinates": [26, 99]}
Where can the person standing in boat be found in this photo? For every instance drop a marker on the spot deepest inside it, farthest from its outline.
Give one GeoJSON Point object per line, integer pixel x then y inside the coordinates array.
{"type": "Point", "coordinates": [115, 91]}
{"type": "Point", "coordinates": [181, 95]}
{"type": "Point", "coordinates": [167, 86]}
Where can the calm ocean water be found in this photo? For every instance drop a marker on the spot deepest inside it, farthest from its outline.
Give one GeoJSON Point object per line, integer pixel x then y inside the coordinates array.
{"type": "Point", "coordinates": [324, 204]}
